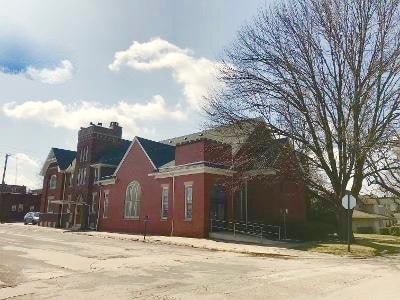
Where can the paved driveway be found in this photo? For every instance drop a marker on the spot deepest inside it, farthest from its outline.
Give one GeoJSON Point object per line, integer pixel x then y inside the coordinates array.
{"type": "Point", "coordinates": [43, 263]}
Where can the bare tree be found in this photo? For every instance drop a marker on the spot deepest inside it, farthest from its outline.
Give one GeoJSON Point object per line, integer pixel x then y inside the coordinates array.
{"type": "Point", "coordinates": [325, 74]}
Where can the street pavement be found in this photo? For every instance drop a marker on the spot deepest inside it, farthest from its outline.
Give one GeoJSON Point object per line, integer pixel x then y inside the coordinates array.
{"type": "Point", "coordinates": [46, 263]}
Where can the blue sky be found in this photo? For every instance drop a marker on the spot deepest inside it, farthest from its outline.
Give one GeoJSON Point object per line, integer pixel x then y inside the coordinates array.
{"type": "Point", "coordinates": [143, 63]}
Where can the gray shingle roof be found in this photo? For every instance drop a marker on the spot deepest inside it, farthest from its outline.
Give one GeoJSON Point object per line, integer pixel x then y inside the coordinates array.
{"type": "Point", "coordinates": [159, 153]}
{"type": "Point", "coordinates": [64, 157]}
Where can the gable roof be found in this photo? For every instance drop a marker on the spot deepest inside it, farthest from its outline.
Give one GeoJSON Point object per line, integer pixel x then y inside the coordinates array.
{"type": "Point", "coordinates": [64, 157]}
{"type": "Point", "coordinates": [159, 153]}
{"type": "Point", "coordinates": [235, 134]}
{"type": "Point", "coordinates": [114, 155]}
{"type": "Point", "coordinates": [360, 215]}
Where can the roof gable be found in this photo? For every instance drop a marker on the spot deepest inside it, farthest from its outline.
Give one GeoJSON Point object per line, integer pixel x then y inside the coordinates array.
{"type": "Point", "coordinates": [64, 157]}
{"type": "Point", "coordinates": [114, 155]}
{"type": "Point", "coordinates": [158, 153]}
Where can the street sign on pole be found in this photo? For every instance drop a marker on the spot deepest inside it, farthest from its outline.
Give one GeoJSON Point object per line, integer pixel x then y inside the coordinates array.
{"type": "Point", "coordinates": [348, 202]}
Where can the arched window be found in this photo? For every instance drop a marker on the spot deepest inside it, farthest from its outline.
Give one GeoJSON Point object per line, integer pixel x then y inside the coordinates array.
{"type": "Point", "coordinates": [132, 201]}
{"type": "Point", "coordinates": [53, 182]}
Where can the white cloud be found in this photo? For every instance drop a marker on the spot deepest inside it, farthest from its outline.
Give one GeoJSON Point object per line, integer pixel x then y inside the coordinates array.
{"type": "Point", "coordinates": [73, 116]}
{"type": "Point", "coordinates": [196, 75]}
{"type": "Point", "coordinates": [60, 74]}
{"type": "Point", "coordinates": [23, 170]}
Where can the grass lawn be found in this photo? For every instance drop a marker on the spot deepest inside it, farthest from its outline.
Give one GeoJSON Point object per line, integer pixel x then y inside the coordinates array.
{"type": "Point", "coordinates": [366, 245]}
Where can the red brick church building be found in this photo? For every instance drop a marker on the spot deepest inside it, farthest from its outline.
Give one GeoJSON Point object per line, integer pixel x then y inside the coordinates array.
{"type": "Point", "coordinates": [176, 186]}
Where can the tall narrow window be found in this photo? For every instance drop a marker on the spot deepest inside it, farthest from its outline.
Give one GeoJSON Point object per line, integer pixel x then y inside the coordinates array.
{"type": "Point", "coordinates": [164, 202]}
{"type": "Point", "coordinates": [50, 206]}
{"type": "Point", "coordinates": [132, 201]}
{"type": "Point", "coordinates": [105, 208]}
{"type": "Point", "coordinates": [53, 182]}
{"type": "Point", "coordinates": [96, 174]}
{"type": "Point", "coordinates": [94, 203]}
{"type": "Point", "coordinates": [188, 201]}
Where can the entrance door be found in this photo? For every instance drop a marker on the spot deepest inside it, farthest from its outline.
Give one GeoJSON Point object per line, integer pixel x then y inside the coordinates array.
{"type": "Point", "coordinates": [217, 203]}
{"type": "Point", "coordinates": [78, 215]}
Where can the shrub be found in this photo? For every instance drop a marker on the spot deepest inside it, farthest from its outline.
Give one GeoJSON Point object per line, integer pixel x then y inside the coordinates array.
{"type": "Point", "coordinates": [385, 231]}
{"type": "Point", "coordinates": [311, 231]}
{"type": "Point", "coordinates": [394, 230]}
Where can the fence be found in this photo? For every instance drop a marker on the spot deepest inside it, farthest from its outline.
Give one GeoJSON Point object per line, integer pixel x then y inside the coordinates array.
{"type": "Point", "coordinates": [253, 229]}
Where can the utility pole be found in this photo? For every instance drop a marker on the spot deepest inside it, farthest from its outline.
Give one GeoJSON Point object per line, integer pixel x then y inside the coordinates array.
{"type": "Point", "coordinates": [5, 169]}
{"type": "Point", "coordinates": [2, 189]}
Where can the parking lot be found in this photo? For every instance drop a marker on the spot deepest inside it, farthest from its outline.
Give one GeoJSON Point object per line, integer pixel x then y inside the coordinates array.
{"type": "Point", "coordinates": [46, 263]}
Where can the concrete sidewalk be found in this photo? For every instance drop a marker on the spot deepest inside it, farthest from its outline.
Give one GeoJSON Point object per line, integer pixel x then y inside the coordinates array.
{"type": "Point", "coordinates": [270, 248]}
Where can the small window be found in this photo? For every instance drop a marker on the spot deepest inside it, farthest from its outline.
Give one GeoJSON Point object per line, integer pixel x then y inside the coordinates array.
{"type": "Point", "coordinates": [132, 201]}
{"type": "Point", "coordinates": [13, 208]}
{"type": "Point", "coordinates": [50, 206]}
{"type": "Point", "coordinates": [164, 202]}
{"type": "Point", "coordinates": [20, 207]}
{"type": "Point", "coordinates": [53, 182]}
{"type": "Point", "coordinates": [94, 203]}
{"type": "Point", "coordinates": [105, 208]}
{"type": "Point", "coordinates": [96, 174]}
{"type": "Point", "coordinates": [31, 208]}
{"type": "Point", "coordinates": [188, 201]}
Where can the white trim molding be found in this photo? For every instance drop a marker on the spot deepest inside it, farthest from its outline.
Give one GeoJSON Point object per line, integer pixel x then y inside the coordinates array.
{"type": "Point", "coordinates": [129, 150]}
{"type": "Point", "coordinates": [190, 170]}
{"type": "Point", "coordinates": [107, 181]}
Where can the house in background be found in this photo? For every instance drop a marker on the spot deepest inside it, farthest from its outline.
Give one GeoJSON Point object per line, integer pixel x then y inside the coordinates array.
{"type": "Point", "coordinates": [363, 222]}
{"type": "Point", "coordinates": [16, 201]}
{"type": "Point", "coordinates": [374, 213]}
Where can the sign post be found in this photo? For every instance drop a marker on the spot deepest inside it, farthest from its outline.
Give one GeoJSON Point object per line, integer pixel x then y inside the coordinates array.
{"type": "Point", "coordinates": [348, 202]}
{"type": "Point", "coordinates": [146, 220]}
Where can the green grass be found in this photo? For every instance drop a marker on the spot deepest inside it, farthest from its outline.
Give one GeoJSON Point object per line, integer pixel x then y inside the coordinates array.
{"type": "Point", "coordinates": [365, 245]}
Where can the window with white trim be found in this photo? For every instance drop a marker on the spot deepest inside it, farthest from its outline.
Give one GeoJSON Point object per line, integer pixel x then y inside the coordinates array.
{"type": "Point", "coordinates": [94, 202]}
{"type": "Point", "coordinates": [31, 208]}
{"type": "Point", "coordinates": [132, 201]}
{"type": "Point", "coordinates": [164, 202]}
{"type": "Point", "coordinates": [105, 204]}
{"type": "Point", "coordinates": [13, 208]}
{"type": "Point", "coordinates": [50, 206]}
{"type": "Point", "coordinates": [53, 182]}
{"type": "Point", "coordinates": [188, 201]}
{"type": "Point", "coordinates": [20, 207]}
{"type": "Point", "coordinates": [96, 174]}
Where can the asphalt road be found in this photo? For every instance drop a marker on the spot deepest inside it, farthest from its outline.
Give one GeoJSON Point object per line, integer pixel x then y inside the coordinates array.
{"type": "Point", "coordinates": [43, 263]}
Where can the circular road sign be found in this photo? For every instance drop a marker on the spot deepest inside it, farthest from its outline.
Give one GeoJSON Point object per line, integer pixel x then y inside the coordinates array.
{"type": "Point", "coordinates": [349, 199]}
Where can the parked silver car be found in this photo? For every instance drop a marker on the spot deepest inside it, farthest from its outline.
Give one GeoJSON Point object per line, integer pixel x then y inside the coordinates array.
{"type": "Point", "coordinates": [32, 217]}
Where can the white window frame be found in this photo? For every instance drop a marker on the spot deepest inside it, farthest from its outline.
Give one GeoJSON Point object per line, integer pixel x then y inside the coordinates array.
{"type": "Point", "coordinates": [49, 199]}
{"type": "Point", "coordinates": [96, 174]}
{"type": "Point", "coordinates": [94, 197]}
{"type": "Point", "coordinates": [84, 176]}
{"type": "Point", "coordinates": [133, 203]}
{"type": "Point", "coordinates": [164, 201]}
{"type": "Point", "coordinates": [188, 186]}
{"type": "Point", "coordinates": [20, 207]}
{"type": "Point", "coordinates": [32, 208]}
{"type": "Point", "coordinates": [53, 182]}
{"type": "Point", "coordinates": [14, 207]}
{"type": "Point", "coordinates": [106, 204]}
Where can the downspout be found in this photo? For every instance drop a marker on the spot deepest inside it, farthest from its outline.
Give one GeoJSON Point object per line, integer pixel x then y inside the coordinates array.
{"type": "Point", "coordinates": [98, 208]}
{"type": "Point", "coordinates": [63, 198]}
{"type": "Point", "coordinates": [173, 205]}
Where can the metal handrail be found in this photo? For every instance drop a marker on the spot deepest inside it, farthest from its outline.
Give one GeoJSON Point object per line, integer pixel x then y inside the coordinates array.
{"type": "Point", "coordinates": [253, 229]}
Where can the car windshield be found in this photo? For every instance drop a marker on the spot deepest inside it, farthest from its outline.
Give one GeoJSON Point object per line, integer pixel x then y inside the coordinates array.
{"type": "Point", "coordinates": [36, 214]}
